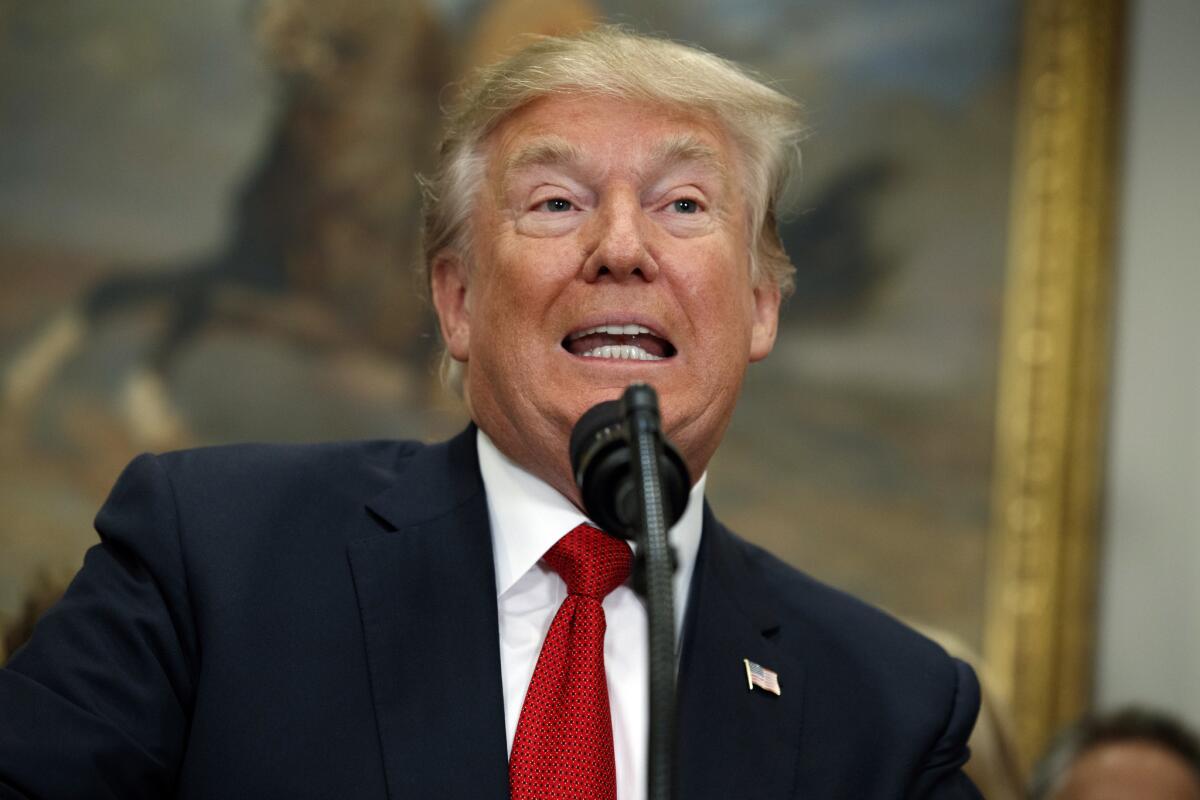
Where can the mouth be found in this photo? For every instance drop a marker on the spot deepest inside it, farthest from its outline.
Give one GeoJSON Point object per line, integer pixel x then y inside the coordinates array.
{"type": "Point", "coordinates": [619, 341]}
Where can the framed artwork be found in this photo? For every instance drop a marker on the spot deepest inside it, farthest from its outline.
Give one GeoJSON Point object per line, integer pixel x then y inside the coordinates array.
{"type": "Point", "coordinates": [208, 229]}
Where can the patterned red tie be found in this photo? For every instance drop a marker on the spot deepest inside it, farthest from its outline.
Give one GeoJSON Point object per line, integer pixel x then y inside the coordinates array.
{"type": "Point", "coordinates": [563, 748]}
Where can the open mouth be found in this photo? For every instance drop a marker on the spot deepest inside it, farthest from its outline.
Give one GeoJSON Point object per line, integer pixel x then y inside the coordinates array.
{"type": "Point", "coordinates": [627, 342]}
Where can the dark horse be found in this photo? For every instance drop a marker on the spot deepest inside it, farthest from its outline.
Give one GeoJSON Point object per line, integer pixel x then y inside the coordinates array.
{"type": "Point", "coordinates": [325, 228]}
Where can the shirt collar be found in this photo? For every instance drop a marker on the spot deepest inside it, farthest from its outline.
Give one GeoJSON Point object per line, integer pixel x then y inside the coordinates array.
{"type": "Point", "coordinates": [528, 516]}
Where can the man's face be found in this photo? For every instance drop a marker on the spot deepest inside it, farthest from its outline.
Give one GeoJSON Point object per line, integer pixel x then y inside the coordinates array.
{"type": "Point", "coordinates": [610, 245]}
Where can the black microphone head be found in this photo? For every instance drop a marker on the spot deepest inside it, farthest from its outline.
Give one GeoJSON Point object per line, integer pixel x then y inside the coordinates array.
{"type": "Point", "coordinates": [600, 459]}
{"type": "Point", "coordinates": [602, 462]}
{"type": "Point", "coordinates": [590, 430]}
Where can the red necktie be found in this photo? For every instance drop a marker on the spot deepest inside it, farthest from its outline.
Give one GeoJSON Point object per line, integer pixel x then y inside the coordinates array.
{"type": "Point", "coordinates": [563, 748]}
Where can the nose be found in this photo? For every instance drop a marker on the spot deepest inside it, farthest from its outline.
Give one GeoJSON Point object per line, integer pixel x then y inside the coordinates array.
{"type": "Point", "coordinates": [618, 243]}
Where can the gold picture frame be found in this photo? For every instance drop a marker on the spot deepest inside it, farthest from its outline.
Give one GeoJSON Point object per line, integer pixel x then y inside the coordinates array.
{"type": "Point", "coordinates": [1040, 609]}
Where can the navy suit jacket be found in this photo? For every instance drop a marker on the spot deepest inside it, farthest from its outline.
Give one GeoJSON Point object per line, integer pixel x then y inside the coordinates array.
{"type": "Point", "coordinates": [320, 621]}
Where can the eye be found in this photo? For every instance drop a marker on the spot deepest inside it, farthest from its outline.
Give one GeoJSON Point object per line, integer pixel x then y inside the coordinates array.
{"type": "Point", "coordinates": [685, 206]}
{"type": "Point", "coordinates": [556, 204]}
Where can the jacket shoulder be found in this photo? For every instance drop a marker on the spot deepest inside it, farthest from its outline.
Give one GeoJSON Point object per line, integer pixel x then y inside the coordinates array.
{"type": "Point", "coordinates": [836, 618]}
{"type": "Point", "coordinates": [234, 508]}
{"type": "Point", "coordinates": [861, 662]}
{"type": "Point", "coordinates": [234, 465]}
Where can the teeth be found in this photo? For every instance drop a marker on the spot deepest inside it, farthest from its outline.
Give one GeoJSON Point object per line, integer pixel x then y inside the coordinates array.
{"type": "Point", "coordinates": [627, 352]}
{"type": "Point", "coordinates": [613, 330]}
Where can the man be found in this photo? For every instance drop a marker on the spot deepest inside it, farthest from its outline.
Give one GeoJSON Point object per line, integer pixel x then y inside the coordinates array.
{"type": "Point", "coordinates": [1131, 752]}
{"type": "Point", "coordinates": [388, 619]}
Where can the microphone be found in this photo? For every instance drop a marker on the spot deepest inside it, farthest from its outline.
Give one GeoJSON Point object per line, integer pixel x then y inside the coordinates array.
{"type": "Point", "coordinates": [635, 484]}
{"type": "Point", "coordinates": [602, 458]}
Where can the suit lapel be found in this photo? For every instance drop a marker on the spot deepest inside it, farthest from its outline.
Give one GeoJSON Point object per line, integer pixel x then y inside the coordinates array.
{"type": "Point", "coordinates": [424, 576]}
{"type": "Point", "coordinates": [734, 742]}
{"type": "Point", "coordinates": [425, 580]}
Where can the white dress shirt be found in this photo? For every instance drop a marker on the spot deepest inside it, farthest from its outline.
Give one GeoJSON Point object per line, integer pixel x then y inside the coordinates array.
{"type": "Point", "coordinates": [528, 517]}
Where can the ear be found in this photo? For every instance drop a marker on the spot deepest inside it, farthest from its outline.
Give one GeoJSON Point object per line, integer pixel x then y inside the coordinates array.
{"type": "Point", "coordinates": [766, 320]}
{"type": "Point", "coordinates": [448, 285]}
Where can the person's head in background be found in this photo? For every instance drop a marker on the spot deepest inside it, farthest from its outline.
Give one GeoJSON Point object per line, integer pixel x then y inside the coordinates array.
{"type": "Point", "coordinates": [1130, 754]}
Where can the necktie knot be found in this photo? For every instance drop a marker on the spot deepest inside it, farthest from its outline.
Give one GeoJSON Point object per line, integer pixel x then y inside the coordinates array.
{"type": "Point", "coordinates": [590, 562]}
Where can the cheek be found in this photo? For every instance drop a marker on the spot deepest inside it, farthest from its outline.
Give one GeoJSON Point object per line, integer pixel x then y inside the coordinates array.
{"type": "Point", "coordinates": [517, 299]}
{"type": "Point", "coordinates": [719, 292]}
{"type": "Point", "coordinates": [531, 266]}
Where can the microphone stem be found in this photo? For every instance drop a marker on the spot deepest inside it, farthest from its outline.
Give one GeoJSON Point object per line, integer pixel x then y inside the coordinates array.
{"type": "Point", "coordinates": [656, 554]}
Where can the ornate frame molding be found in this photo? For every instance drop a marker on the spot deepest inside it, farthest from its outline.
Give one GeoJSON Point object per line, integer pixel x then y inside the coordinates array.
{"type": "Point", "coordinates": [1051, 415]}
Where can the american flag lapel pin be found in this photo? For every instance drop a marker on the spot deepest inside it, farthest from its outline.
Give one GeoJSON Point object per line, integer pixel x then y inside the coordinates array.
{"type": "Point", "coordinates": [760, 676]}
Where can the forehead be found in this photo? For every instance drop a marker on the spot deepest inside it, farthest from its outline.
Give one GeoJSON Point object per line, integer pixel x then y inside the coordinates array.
{"type": "Point", "coordinates": [607, 133]}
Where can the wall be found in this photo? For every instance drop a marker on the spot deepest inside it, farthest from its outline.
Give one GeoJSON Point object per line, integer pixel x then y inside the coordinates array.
{"type": "Point", "coordinates": [1149, 649]}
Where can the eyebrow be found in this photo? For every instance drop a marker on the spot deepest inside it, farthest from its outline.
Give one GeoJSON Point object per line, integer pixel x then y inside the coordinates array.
{"type": "Point", "coordinates": [554, 151]}
{"type": "Point", "coordinates": [684, 148]}
{"type": "Point", "coordinates": [548, 151]}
